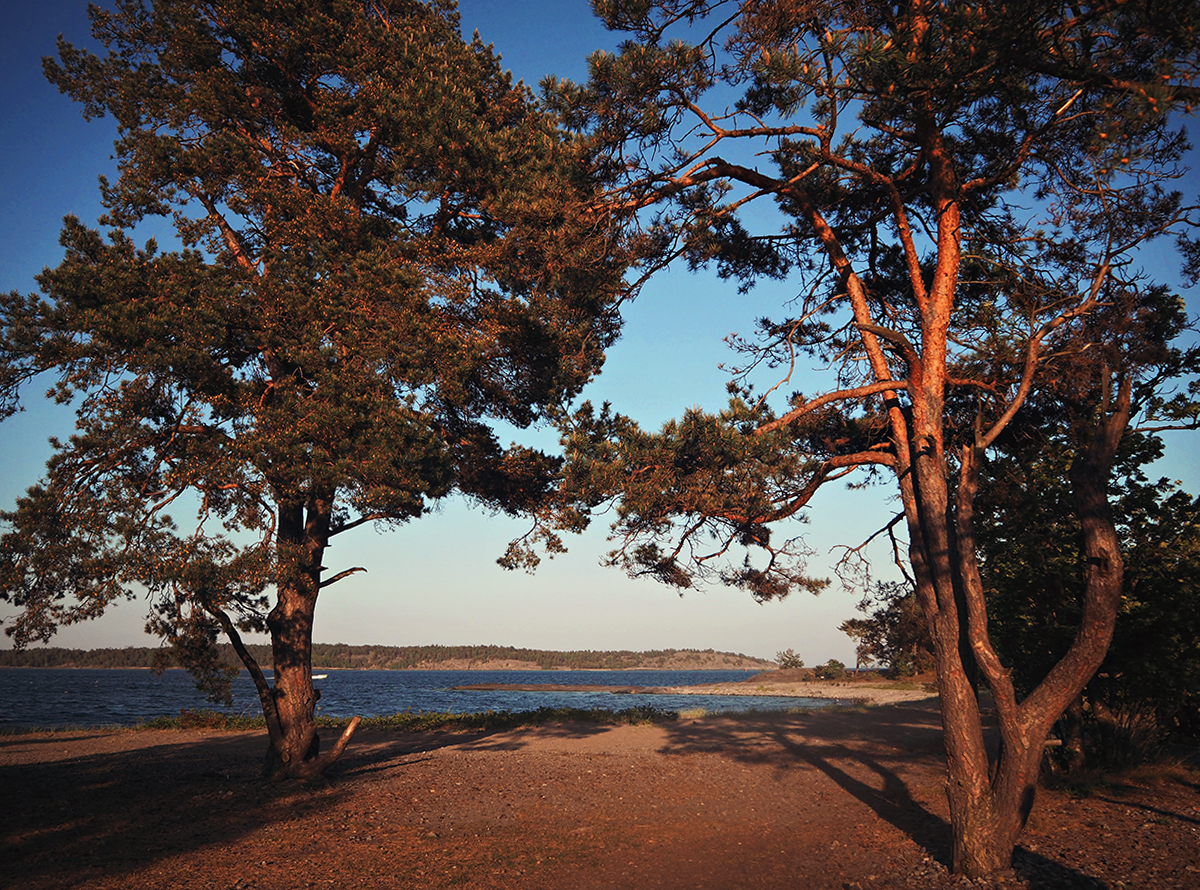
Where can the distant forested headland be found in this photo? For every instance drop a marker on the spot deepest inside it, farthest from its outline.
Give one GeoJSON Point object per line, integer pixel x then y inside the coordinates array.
{"type": "Point", "coordinates": [341, 656]}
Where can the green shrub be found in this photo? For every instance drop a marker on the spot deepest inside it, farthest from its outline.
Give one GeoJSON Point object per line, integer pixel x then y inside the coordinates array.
{"type": "Point", "coordinates": [204, 719]}
{"type": "Point", "coordinates": [831, 670]}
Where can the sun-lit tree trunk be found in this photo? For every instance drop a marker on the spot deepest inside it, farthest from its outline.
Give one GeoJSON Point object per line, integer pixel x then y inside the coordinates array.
{"type": "Point", "coordinates": [295, 749]}
{"type": "Point", "coordinates": [964, 188]}
{"type": "Point", "coordinates": [990, 798]}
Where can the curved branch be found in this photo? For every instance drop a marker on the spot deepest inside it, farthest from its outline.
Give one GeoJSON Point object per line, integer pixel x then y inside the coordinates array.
{"type": "Point", "coordinates": [845, 463]}
{"type": "Point", "coordinates": [1105, 569]}
{"type": "Point", "coordinates": [232, 240]}
{"type": "Point", "coordinates": [362, 520]}
{"type": "Point", "coordinates": [265, 693]}
{"type": "Point", "coordinates": [858, 392]}
{"type": "Point", "coordinates": [903, 346]}
{"type": "Point", "coordinates": [1033, 355]}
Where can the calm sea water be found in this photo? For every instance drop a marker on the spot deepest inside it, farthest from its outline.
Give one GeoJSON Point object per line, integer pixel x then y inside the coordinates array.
{"type": "Point", "coordinates": [87, 697]}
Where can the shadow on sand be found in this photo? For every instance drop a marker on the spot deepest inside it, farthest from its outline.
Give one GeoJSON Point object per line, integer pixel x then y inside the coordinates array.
{"type": "Point", "coordinates": [65, 818]}
{"type": "Point", "coordinates": [877, 762]}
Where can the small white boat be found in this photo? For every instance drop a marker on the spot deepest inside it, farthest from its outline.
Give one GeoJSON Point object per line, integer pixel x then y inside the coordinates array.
{"type": "Point", "coordinates": [319, 676]}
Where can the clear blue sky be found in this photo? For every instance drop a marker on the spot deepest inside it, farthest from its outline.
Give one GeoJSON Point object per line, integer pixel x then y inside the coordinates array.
{"type": "Point", "coordinates": [436, 581]}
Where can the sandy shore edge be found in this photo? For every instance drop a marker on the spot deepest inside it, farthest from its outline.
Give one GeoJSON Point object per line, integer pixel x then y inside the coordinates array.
{"type": "Point", "coordinates": [860, 693]}
{"type": "Point", "coordinates": [863, 693]}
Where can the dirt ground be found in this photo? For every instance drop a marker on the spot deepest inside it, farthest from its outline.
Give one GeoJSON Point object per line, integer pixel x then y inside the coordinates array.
{"type": "Point", "coordinates": [842, 798]}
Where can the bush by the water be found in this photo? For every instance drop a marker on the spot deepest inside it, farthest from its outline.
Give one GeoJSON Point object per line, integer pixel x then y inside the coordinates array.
{"type": "Point", "coordinates": [830, 670]}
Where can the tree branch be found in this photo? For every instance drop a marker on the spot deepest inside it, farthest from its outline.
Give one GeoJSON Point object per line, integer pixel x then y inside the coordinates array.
{"type": "Point", "coordinates": [340, 575]}
{"type": "Point", "coordinates": [262, 687]}
{"type": "Point", "coordinates": [858, 392]}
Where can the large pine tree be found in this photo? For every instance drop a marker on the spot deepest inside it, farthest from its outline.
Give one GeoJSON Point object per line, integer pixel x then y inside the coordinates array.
{"type": "Point", "coordinates": [956, 194]}
{"type": "Point", "coordinates": [375, 265]}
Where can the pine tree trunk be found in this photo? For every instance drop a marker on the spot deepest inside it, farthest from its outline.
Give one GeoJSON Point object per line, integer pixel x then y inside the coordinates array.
{"type": "Point", "coordinates": [990, 800]}
{"type": "Point", "coordinates": [981, 837]}
{"type": "Point", "coordinates": [294, 750]}
{"type": "Point", "coordinates": [294, 741]}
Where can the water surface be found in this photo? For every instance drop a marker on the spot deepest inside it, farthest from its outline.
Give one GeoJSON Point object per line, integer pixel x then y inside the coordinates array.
{"type": "Point", "coordinates": [88, 697]}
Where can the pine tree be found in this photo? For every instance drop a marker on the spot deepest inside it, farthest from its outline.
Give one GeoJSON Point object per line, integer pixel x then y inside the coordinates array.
{"type": "Point", "coordinates": [375, 265]}
{"type": "Point", "coordinates": [956, 194]}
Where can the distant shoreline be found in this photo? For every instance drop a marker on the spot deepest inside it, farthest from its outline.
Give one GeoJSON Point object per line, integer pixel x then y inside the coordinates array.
{"type": "Point", "coordinates": [340, 657]}
{"type": "Point", "coordinates": [478, 668]}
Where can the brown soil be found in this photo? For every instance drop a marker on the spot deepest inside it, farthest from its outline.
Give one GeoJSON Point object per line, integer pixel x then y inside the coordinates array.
{"type": "Point", "coordinates": [804, 801]}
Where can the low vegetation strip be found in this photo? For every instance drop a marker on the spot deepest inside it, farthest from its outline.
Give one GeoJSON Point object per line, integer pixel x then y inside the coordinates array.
{"type": "Point", "coordinates": [422, 721]}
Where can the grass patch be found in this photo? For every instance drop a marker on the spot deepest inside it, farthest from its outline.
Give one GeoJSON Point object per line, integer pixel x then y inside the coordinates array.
{"type": "Point", "coordinates": [205, 719]}
{"type": "Point", "coordinates": [491, 721]}
{"type": "Point", "coordinates": [29, 730]}
{"type": "Point", "coordinates": [408, 721]}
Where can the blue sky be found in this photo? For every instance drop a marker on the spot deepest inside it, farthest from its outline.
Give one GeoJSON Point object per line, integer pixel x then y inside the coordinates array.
{"type": "Point", "coordinates": [436, 581]}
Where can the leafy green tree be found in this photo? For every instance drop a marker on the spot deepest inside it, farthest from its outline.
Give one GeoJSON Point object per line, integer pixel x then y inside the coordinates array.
{"type": "Point", "coordinates": [894, 633]}
{"type": "Point", "coordinates": [830, 670]}
{"type": "Point", "coordinates": [1149, 682]}
{"type": "Point", "coordinates": [376, 264]}
{"type": "Point", "coordinates": [956, 194]}
{"type": "Point", "coordinates": [788, 659]}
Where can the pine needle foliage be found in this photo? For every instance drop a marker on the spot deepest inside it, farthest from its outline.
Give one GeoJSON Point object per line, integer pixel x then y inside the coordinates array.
{"type": "Point", "coordinates": [374, 266]}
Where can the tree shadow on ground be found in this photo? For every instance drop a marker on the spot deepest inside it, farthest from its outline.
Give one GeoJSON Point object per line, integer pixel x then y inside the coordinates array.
{"type": "Point", "coordinates": [65, 818]}
{"type": "Point", "coordinates": [1147, 808]}
{"type": "Point", "coordinates": [876, 761]}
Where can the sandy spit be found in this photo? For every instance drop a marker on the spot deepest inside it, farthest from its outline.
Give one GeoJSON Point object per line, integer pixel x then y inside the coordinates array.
{"type": "Point", "coordinates": [865, 693]}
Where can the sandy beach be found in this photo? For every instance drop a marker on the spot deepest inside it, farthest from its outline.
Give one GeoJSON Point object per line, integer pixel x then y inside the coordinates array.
{"type": "Point", "coordinates": [844, 798]}
{"type": "Point", "coordinates": [856, 691]}
{"type": "Point", "coordinates": [785, 684]}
